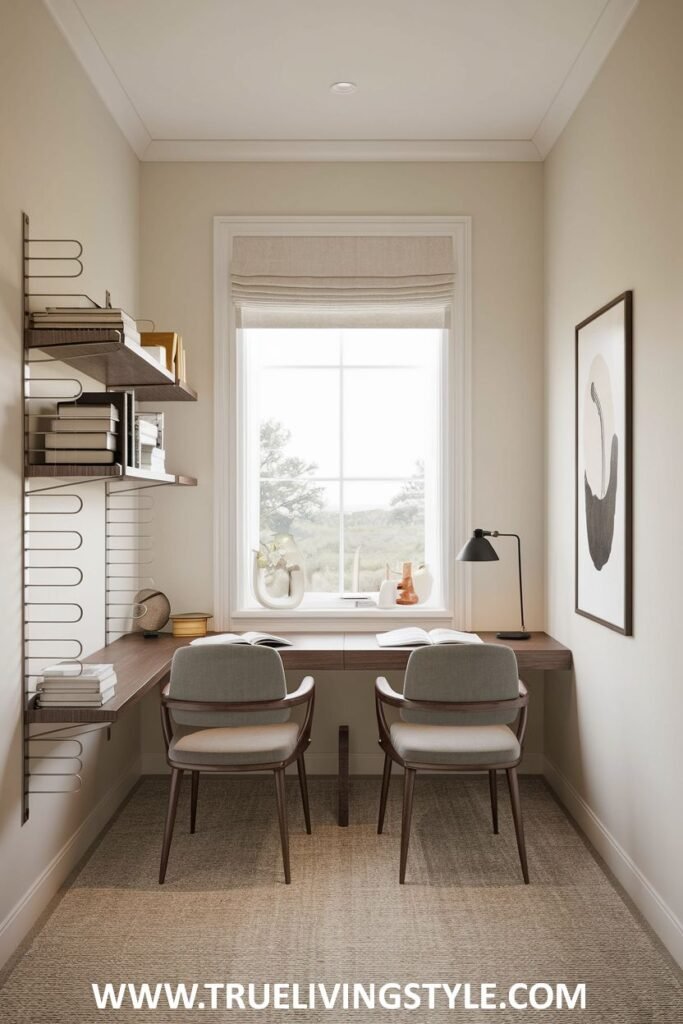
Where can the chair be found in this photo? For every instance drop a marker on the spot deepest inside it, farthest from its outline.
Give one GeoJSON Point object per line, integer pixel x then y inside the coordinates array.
{"type": "Point", "coordinates": [457, 705]}
{"type": "Point", "coordinates": [226, 709]}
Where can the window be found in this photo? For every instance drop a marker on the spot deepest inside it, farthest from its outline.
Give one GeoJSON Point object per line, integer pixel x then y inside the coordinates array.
{"type": "Point", "coordinates": [342, 454]}
{"type": "Point", "coordinates": [346, 342]}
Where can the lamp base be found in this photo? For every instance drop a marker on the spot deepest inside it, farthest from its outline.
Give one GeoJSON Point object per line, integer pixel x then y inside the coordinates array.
{"type": "Point", "coordinates": [512, 634]}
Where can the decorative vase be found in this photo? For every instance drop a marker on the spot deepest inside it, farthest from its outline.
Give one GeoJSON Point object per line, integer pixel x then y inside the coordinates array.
{"type": "Point", "coordinates": [281, 586]}
{"type": "Point", "coordinates": [423, 581]}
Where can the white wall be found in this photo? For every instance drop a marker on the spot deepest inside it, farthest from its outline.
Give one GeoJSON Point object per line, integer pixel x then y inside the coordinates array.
{"type": "Point", "coordinates": [505, 202]}
{"type": "Point", "coordinates": [614, 220]}
{"type": "Point", "coordinates": [67, 165]}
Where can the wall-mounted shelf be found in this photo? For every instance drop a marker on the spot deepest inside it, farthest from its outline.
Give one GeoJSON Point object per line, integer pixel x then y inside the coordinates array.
{"type": "Point", "coordinates": [54, 530]}
{"type": "Point", "coordinates": [115, 361]}
{"type": "Point", "coordinates": [113, 472]}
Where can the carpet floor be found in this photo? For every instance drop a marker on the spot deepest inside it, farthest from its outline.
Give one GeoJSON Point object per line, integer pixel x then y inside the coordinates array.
{"type": "Point", "coordinates": [225, 914]}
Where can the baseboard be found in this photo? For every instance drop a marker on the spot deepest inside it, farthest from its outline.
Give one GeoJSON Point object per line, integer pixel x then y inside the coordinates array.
{"type": "Point", "coordinates": [26, 912]}
{"type": "Point", "coordinates": [648, 901]}
{"type": "Point", "coordinates": [328, 764]}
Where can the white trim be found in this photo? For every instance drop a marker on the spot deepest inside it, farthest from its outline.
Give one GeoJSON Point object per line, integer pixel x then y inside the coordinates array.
{"type": "Point", "coordinates": [28, 909]}
{"type": "Point", "coordinates": [341, 150]}
{"type": "Point", "coordinates": [78, 34]}
{"type": "Point", "coordinates": [457, 586]}
{"type": "Point", "coordinates": [589, 60]}
{"type": "Point", "coordinates": [653, 907]}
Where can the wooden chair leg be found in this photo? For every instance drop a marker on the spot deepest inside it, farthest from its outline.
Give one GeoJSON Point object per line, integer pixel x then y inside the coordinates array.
{"type": "Point", "coordinates": [282, 817]}
{"type": "Point", "coordinates": [408, 786]}
{"type": "Point", "coordinates": [193, 802]}
{"type": "Point", "coordinates": [493, 788]}
{"type": "Point", "coordinates": [513, 785]}
{"type": "Point", "coordinates": [386, 779]}
{"type": "Point", "coordinates": [174, 793]}
{"type": "Point", "coordinates": [303, 784]}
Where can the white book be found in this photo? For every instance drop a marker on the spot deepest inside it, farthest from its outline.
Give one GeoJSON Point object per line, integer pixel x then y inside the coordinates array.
{"type": "Point", "coordinates": [92, 669]}
{"type": "Point", "coordinates": [77, 412]}
{"type": "Point", "coordinates": [101, 440]}
{"type": "Point", "coordinates": [73, 683]}
{"type": "Point", "coordinates": [77, 456]}
{"type": "Point", "coordinates": [75, 424]}
{"type": "Point", "coordinates": [75, 700]}
{"type": "Point", "coordinates": [253, 639]}
{"type": "Point", "coordinates": [413, 636]}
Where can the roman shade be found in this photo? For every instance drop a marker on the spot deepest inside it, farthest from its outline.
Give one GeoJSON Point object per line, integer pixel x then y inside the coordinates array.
{"type": "Point", "coordinates": [342, 280]}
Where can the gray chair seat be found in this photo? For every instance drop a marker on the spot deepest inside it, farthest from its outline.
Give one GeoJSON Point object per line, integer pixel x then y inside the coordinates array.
{"type": "Point", "coordinates": [244, 744]}
{"type": "Point", "coordinates": [455, 744]}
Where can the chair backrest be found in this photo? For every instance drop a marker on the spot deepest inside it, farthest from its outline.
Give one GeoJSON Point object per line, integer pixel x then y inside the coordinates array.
{"type": "Point", "coordinates": [224, 673]}
{"type": "Point", "coordinates": [461, 672]}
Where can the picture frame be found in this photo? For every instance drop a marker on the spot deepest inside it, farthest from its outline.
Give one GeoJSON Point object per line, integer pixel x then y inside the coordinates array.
{"type": "Point", "coordinates": [603, 395]}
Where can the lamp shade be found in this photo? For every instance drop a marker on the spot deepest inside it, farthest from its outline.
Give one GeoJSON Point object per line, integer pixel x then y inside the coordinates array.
{"type": "Point", "coordinates": [478, 549]}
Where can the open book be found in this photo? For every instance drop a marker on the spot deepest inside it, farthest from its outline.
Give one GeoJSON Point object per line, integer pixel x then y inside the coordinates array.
{"type": "Point", "coordinates": [254, 639]}
{"type": "Point", "coordinates": [413, 636]}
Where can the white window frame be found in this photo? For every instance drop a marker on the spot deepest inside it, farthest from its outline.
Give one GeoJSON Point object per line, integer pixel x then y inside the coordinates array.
{"type": "Point", "coordinates": [228, 402]}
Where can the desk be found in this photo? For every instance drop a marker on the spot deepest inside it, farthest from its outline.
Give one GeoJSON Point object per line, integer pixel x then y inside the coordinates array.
{"type": "Point", "coordinates": [141, 665]}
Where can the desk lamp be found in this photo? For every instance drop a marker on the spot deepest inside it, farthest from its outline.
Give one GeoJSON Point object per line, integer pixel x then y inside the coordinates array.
{"type": "Point", "coordinates": [479, 549]}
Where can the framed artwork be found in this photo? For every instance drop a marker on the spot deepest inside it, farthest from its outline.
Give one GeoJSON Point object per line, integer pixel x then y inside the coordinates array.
{"type": "Point", "coordinates": [604, 410]}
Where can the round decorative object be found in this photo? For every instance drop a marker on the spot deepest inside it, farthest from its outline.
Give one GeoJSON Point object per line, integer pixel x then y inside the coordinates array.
{"type": "Point", "coordinates": [152, 611]}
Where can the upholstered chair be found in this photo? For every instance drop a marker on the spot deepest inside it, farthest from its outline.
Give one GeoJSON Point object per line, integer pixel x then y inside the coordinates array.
{"type": "Point", "coordinates": [226, 709]}
{"type": "Point", "coordinates": [457, 709]}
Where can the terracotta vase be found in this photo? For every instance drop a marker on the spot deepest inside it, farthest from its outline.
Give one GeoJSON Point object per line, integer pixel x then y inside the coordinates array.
{"type": "Point", "coordinates": [406, 591]}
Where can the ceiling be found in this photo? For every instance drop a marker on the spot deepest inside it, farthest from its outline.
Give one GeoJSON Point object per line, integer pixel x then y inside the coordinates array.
{"type": "Point", "coordinates": [249, 79]}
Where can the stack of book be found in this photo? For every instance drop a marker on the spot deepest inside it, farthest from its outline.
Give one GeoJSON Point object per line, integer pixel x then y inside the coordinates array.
{"type": "Point", "coordinates": [73, 685]}
{"type": "Point", "coordinates": [83, 434]}
{"type": "Point", "coordinates": [151, 454]}
{"type": "Point", "coordinates": [65, 324]}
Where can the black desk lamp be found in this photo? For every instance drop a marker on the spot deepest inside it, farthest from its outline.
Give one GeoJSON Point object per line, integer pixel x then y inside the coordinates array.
{"type": "Point", "coordinates": [479, 549]}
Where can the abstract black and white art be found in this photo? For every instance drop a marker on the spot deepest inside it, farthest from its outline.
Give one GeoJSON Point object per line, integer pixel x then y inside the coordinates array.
{"type": "Point", "coordinates": [603, 465]}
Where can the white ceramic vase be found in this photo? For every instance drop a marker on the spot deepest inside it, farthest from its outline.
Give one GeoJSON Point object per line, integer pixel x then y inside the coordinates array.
{"type": "Point", "coordinates": [285, 590]}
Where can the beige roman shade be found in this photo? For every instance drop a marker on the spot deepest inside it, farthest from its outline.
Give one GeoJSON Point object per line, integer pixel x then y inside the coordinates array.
{"type": "Point", "coordinates": [342, 280]}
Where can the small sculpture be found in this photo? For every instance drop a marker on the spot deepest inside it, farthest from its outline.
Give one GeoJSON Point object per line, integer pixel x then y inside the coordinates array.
{"type": "Point", "coordinates": [277, 575]}
{"type": "Point", "coordinates": [151, 612]}
{"type": "Point", "coordinates": [406, 591]}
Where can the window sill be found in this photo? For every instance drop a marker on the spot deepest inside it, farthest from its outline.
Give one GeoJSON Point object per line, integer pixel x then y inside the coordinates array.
{"type": "Point", "coordinates": [350, 620]}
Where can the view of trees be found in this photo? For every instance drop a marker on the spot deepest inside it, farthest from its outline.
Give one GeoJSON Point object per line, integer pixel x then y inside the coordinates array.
{"type": "Point", "coordinates": [388, 534]}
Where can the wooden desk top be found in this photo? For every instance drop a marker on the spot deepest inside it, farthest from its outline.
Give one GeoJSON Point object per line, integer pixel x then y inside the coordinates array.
{"type": "Point", "coordinates": [142, 664]}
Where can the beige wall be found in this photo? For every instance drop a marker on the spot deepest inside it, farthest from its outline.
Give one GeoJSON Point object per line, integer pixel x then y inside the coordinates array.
{"type": "Point", "coordinates": [614, 220]}
{"type": "Point", "coordinates": [505, 203]}
{"type": "Point", "coordinates": [67, 165]}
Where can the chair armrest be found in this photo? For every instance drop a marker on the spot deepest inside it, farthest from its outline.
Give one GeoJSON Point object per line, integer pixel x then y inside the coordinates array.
{"type": "Point", "coordinates": [386, 694]}
{"type": "Point", "coordinates": [523, 692]}
{"type": "Point", "coordinates": [303, 692]}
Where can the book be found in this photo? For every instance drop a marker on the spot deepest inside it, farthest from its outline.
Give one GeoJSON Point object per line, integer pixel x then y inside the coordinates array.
{"type": "Point", "coordinates": [414, 636]}
{"type": "Point", "coordinates": [78, 456]}
{"type": "Point", "coordinates": [73, 424]}
{"type": "Point", "coordinates": [168, 340]}
{"type": "Point", "coordinates": [90, 400]}
{"type": "Point", "coordinates": [75, 700]}
{"type": "Point", "coordinates": [102, 440]}
{"type": "Point", "coordinates": [91, 669]}
{"type": "Point", "coordinates": [251, 638]}
{"type": "Point", "coordinates": [73, 411]}
{"type": "Point", "coordinates": [41, 337]}
{"type": "Point", "coordinates": [56, 684]}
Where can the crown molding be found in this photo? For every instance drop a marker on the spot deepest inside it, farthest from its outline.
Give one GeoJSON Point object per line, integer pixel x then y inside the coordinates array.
{"type": "Point", "coordinates": [75, 29]}
{"type": "Point", "coordinates": [590, 59]}
{"type": "Point", "coordinates": [247, 150]}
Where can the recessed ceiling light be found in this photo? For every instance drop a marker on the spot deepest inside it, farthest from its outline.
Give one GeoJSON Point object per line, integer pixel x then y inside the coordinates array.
{"type": "Point", "coordinates": [343, 88]}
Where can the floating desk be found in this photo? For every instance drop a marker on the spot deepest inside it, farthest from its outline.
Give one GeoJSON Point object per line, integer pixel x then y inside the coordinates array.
{"type": "Point", "coordinates": [141, 665]}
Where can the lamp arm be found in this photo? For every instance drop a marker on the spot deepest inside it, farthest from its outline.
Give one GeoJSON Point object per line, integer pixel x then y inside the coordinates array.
{"type": "Point", "coordinates": [496, 533]}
